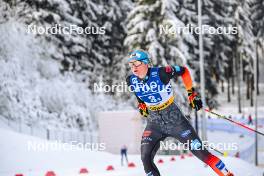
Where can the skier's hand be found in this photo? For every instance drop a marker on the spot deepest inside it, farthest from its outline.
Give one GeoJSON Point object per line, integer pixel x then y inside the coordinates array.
{"type": "Point", "coordinates": [195, 100]}
{"type": "Point", "coordinates": [143, 109]}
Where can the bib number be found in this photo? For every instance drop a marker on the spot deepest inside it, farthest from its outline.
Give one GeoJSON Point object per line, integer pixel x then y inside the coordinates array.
{"type": "Point", "coordinates": [152, 99]}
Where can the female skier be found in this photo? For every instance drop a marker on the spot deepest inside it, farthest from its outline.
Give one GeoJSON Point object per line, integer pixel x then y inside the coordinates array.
{"type": "Point", "coordinates": [152, 88]}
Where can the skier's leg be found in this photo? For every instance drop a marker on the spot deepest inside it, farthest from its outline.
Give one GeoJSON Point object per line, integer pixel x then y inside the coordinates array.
{"type": "Point", "coordinates": [121, 159]}
{"type": "Point", "coordinates": [185, 133]}
{"type": "Point", "coordinates": [150, 144]}
{"type": "Point", "coordinates": [188, 135]}
{"type": "Point", "coordinates": [126, 158]}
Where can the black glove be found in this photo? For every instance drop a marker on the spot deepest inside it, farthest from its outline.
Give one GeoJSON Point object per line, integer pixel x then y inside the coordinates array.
{"type": "Point", "coordinates": [195, 99]}
{"type": "Point", "coordinates": [143, 109]}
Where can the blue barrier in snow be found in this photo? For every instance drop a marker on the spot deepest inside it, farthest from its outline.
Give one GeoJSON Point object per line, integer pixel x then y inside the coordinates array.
{"type": "Point", "coordinates": [225, 126]}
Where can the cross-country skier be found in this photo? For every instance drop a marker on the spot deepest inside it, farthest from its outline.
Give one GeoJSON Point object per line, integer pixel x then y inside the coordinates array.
{"type": "Point", "coordinates": [152, 88]}
{"type": "Point", "coordinates": [123, 152]}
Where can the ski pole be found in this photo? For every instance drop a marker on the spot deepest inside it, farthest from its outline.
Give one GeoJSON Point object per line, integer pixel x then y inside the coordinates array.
{"type": "Point", "coordinates": [217, 151]}
{"type": "Point", "coordinates": [237, 123]}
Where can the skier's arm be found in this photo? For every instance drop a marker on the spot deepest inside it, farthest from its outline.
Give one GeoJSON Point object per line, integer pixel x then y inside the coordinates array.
{"type": "Point", "coordinates": [168, 72]}
{"type": "Point", "coordinates": [128, 84]}
{"type": "Point", "coordinates": [142, 107]}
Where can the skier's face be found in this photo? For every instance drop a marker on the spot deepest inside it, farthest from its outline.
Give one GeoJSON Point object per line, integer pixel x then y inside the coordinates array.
{"type": "Point", "coordinates": [138, 68]}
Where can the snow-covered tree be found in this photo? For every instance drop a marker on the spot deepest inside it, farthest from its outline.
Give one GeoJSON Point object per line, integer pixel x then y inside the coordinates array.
{"type": "Point", "coordinates": [115, 14]}
{"type": "Point", "coordinates": [146, 29]}
{"type": "Point", "coordinates": [257, 11]}
{"type": "Point", "coordinates": [212, 50]}
{"type": "Point", "coordinates": [93, 52]}
{"type": "Point", "coordinates": [32, 86]}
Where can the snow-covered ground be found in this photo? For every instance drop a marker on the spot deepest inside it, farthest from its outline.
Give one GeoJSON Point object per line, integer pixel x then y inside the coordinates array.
{"type": "Point", "coordinates": [229, 138]}
{"type": "Point", "coordinates": [231, 109]}
{"type": "Point", "coordinates": [17, 158]}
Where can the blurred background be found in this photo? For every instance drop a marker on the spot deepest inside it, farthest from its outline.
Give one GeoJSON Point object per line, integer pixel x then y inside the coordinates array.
{"type": "Point", "coordinates": [47, 82]}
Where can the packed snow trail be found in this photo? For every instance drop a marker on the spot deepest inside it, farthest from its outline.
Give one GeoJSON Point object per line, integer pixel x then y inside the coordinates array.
{"type": "Point", "coordinates": [16, 158]}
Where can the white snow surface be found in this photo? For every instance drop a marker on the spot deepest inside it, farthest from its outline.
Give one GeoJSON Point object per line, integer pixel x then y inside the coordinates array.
{"type": "Point", "coordinates": [17, 158]}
